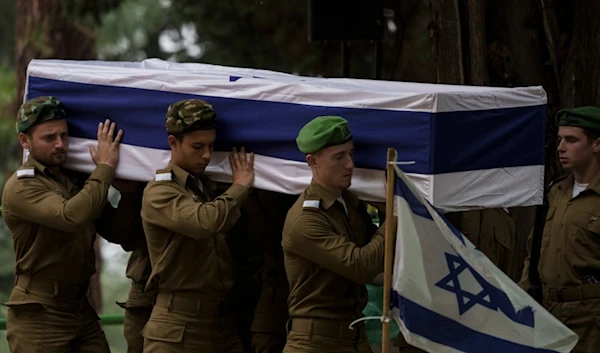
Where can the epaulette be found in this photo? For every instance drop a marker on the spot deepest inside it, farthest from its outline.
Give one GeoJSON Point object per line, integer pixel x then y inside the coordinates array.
{"type": "Point", "coordinates": [311, 204]}
{"type": "Point", "coordinates": [25, 173]}
{"type": "Point", "coordinates": [168, 176]}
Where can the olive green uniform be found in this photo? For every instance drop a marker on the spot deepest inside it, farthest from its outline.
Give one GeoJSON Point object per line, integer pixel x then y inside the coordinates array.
{"type": "Point", "coordinates": [139, 304]}
{"type": "Point", "coordinates": [192, 274]}
{"type": "Point", "coordinates": [569, 264]}
{"type": "Point", "coordinates": [329, 254]}
{"type": "Point", "coordinates": [271, 313]}
{"type": "Point", "coordinates": [50, 217]}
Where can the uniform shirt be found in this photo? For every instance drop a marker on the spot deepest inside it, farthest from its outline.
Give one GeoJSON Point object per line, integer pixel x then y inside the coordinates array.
{"type": "Point", "coordinates": [571, 239]}
{"type": "Point", "coordinates": [330, 256]}
{"type": "Point", "coordinates": [50, 218]}
{"type": "Point", "coordinates": [185, 232]}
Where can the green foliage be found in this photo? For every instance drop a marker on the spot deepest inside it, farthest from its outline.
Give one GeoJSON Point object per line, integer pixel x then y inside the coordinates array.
{"type": "Point", "coordinates": [131, 31]}
{"type": "Point", "coordinates": [8, 163]}
{"type": "Point", "coordinates": [259, 34]}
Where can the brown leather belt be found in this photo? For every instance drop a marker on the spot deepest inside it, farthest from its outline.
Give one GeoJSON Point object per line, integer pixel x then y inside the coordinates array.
{"type": "Point", "coordinates": [573, 294]}
{"type": "Point", "coordinates": [324, 328]}
{"type": "Point", "coordinates": [190, 304]}
{"type": "Point", "coordinates": [55, 288]}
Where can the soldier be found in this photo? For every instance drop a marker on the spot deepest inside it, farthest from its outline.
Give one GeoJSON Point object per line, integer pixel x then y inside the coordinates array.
{"type": "Point", "coordinates": [271, 312]}
{"type": "Point", "coordinates": [139, 303]}
{"type": "Point", "coordinates": [50, 217]}
{"type": "Point", "coordinates": [331, 248]}
{"type": "Point", "coordinates": [569, 265]}
{"type": "Point", "coordinates": [185, 226]}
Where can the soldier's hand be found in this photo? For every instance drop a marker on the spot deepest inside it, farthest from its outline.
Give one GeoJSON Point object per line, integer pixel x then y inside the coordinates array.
{"type": "Point", "coordinates": [242, 167]}
{"type": "Point", "coordinates": [107, 151]}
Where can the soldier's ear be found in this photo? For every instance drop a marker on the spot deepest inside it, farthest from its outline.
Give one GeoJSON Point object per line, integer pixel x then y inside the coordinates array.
{"type": "Point", "coordinates": [310, 159]}
{"type": "Point", "coordinates": [24, 140]}
{"type": "Point", "coordinates": [173, 141]}
{"type": "Point", "coordinates": [596, 145]}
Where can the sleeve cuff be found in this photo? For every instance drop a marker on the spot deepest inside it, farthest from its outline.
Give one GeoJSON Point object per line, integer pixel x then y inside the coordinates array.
{"type": "Point", "coordinates": [237, 192]}
{"type": "Point", "coordinates": [103, 173]}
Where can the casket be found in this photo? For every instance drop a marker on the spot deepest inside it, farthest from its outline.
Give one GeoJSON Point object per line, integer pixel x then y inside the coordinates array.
{"type": "Point", "coordinates": [472, 147]}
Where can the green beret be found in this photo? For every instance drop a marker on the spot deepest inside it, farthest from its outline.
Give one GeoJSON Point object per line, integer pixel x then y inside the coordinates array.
{"type": "Point", "coordinates": [38, 110]}
{"type": "Point", "coordinates": [190, 115]}
{"type": "Point", "coordinates": [321, 132]}
{"type": "Point", "coordinates": [587, 118]}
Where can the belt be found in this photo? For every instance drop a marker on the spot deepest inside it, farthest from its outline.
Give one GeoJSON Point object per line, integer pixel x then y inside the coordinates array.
{"type": "Point", "coordinates": [191, 305]}
{"type": "Point", "coordinates": [55, 288]}
{"type": "Point", "coordinates": [573, 294]}
{"type": "Point", "coordinates": [324, 328]}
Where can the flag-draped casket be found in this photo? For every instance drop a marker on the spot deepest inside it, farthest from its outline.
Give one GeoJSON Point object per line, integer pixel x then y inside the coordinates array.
{"type": "Point", "coordinates": [471, 146]}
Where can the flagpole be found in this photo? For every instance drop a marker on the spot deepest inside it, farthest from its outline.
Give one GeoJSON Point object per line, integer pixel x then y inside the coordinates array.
{"type": "Point", "coordinates": [389, 250]}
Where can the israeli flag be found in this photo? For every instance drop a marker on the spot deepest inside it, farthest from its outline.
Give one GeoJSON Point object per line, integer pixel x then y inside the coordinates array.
{"type": "Point", "coordinates": [264, 110]}
{"type": "Point", "coordinates": [449, 297]}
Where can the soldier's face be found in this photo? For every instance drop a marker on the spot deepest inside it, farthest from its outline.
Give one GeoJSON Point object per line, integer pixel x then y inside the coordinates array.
{"type": "Point", "coordinates": [194, 151]}
{"type": "Point", "coordinates": [47, 142]}
{"type": "Point", "coordinates": [334, 165]}
{"type": "Point", "coordinates": [575, 151]}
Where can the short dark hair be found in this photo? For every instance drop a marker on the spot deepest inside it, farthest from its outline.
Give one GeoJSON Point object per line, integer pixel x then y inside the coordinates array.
{"type": "Point", "coordinates": [591, 135]}
{"type": "Point", "coordinates": [180, 135]}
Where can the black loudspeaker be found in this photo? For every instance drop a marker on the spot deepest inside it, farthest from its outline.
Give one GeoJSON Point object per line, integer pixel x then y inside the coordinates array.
{"type": "Point", "coordinates": [345, 20]}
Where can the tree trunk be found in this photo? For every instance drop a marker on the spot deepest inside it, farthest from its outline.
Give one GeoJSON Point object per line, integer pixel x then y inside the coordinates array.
{"type": "Point", "coordinates": [446, 42]}
{"type": "Point", "coordinates": [518, 58]}
{"type": "Point", "coordinates": [584, 57]}
{"type": "Point", "coordinates": [477, 43]}
{"type": "Point", "coordinates": [44, 30]}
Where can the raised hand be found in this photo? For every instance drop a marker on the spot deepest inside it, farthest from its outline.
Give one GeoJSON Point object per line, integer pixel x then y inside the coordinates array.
{"type": "Point", "coordinates": [107, 151]}
{"type": "Point", "coordinates": [242, 167]}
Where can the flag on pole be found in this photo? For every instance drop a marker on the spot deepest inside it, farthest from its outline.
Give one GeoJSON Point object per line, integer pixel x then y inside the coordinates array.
{"type": "Point", "coordinates": [449, 297]}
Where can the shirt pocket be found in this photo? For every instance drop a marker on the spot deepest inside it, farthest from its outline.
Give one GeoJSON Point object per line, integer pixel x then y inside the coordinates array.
{"type": "Point", "coordinates": [585, 236]}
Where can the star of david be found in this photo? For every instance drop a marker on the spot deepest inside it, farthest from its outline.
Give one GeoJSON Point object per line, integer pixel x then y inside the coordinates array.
{"type": "Point", "coordinates": [466, 300]}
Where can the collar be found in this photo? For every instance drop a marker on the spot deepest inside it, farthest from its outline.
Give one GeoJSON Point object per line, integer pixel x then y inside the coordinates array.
{"type": "Point", "coordinates": [316, 191]}
{"type": "Point", "coordinates": [42, 169]}
{"type": "Point", "coordinates": [181, 176]}
{"type": "Point", "coordinates": [566, 185]}
{"type": "Point", "coordinates": [33, 163]}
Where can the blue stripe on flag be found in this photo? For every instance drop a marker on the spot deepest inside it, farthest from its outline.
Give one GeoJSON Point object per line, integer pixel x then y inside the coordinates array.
{"type": "Point", "coordinates": [442, 330]}
{"type": "Point", "coordinates": [461, 139]}
{"type": "Point", "coordinates": [402, 190]}
{"type": "Point", "coordinates": [270, 128]}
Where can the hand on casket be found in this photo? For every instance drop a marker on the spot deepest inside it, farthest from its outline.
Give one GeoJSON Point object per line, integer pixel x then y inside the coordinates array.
{"type": "Point", "coordinates": [242, 167]}
{"type": "Point", "coordinates": [107, 151]}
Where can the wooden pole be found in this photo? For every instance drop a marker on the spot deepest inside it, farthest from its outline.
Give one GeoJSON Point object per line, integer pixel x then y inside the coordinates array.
{"type": "Point", "coordinates": [389, 250]}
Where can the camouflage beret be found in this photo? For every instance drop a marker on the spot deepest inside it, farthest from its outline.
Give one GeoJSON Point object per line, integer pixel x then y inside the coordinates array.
{"type": "Point", "coordinates": [190, 115]}
{"type": "Point", "coordinates": [587, 117]}
{"type": "Point", "coordinates": [321, 132]}
{"type": "Point", "coordinates": [37, 110]}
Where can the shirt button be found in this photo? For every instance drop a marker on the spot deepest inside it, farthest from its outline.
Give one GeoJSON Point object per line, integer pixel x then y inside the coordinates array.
{"type": "Point", "coordinates": [570, 202]}
{"type": "Point", "coordinates": [560, 226]}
